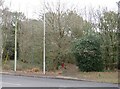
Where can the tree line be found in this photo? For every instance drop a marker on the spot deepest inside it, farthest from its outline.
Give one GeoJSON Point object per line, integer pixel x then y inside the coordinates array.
{"type": "Point", "coordinates": [70, 38]}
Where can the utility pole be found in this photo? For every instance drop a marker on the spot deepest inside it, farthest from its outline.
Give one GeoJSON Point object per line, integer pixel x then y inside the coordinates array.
{"type": "Point", "coordinates": [44, 41]}
{"type": "Point", "coordinates": [1, 52]}
{"type": "Point", "coordinates": [15, 57]}
{"type": "Point", "coordinates": [1, 49]}
{"type": "Point", "coordinates": [118, 38]}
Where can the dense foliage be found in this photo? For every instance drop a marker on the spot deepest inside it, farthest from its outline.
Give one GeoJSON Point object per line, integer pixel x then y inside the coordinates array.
{"type": "Point", "coordinates": [92, 53]}
{"type": "Point", "coordinates": [88, 54]}
{"type": "Point", "coordinates": [109, 32]}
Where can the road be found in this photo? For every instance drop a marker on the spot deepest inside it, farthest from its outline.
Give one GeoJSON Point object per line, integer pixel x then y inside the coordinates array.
{"type": "Point", "coordinates": [20, 81]}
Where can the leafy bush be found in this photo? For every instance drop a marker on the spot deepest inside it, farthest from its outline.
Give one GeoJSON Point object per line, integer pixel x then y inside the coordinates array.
{"type": "Point", "coordinates": [87, 53]}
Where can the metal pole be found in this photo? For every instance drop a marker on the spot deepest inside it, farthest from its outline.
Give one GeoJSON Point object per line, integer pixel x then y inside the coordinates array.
{"type": "Point", "coordinates": [1, 51]}
{"type": "Point", "coordinates": [15, 57]}
{"type": "Point", "coordinates": [44, 42]}
{"type": "Point", "coordinates": [118, 32]}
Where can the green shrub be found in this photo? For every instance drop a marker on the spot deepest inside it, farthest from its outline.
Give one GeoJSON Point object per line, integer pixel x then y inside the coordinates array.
{"type": "Point", "coordinates": [87, 53]}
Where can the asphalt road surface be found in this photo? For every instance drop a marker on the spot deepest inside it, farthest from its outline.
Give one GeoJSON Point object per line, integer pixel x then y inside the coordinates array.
{"type": "Point", "coordinates": [20, 81]}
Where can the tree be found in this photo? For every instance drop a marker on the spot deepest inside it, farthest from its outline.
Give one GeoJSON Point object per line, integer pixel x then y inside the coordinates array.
{"type": "Point", "coordinates": [1, 3]}
{"type": "Point", "coordinates": [62, 27]}
{"type": "Point", "coordinates": [108, 31]}
{"type": "Point", "coordinates": [88, 54]}
{"type": "Point", "coordinates": [8, 35]}
{"type": "Point", "coordinates": [56, 35]}
{"type": "Point", "coordinates": [30, 41]}
{"type": "Point", "coordinates": [8, 32]}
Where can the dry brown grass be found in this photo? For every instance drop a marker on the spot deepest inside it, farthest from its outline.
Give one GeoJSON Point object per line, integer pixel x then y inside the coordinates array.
{"type": "Point", "coordinates": [109, 77]}
{"type": "Point", "coordinates": [71, 71]}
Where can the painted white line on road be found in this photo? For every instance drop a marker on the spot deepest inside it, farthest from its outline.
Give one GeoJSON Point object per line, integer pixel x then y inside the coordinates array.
{"type": "Point", "coordinates": [11, 83]}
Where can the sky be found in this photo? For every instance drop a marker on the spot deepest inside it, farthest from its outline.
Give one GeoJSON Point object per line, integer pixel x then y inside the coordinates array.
{"type": "Point", "coordinates": [31, 7]}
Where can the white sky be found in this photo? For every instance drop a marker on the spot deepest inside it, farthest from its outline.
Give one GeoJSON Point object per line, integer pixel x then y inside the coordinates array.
{"type": "Point", "coordinates": [29, 7]}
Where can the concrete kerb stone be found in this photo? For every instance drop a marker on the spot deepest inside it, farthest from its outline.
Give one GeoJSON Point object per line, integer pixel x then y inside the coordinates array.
{"type": "Point", "coordinates": [45, 76]}
{"type": "Point", "coordinates": [49, 77]}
